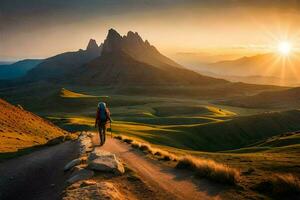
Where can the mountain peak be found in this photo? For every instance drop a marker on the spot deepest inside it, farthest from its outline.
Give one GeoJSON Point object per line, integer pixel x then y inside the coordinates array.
{"type": "Point", "coordinates": [113, 34]}
{"type": "Point", "coordinates": [112, 42]}
{"type": "Point", "coordinates": [133, 45]}
{"type": "Point", "coordinates": [132, 37]}
{"type": "Point", "coordinates": [92, 45]}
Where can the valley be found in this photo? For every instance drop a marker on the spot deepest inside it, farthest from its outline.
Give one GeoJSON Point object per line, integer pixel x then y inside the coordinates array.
{"type": "Point", "coordinates": [244, 138]}
{"type": "Point", "coordinates": [251, 128]}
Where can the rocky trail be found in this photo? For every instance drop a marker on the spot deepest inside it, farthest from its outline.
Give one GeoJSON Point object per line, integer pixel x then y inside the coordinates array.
{"type": "Point", "coordinates": [91, 172]}
{"type": "Point", "coordinates": [179, 184]}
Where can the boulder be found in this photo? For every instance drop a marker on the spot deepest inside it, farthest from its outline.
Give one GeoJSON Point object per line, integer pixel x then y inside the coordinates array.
{"type": "Point", "coordinates": [72, 164]}
{"type": "Point", "coordinates": [75, 162]}
{"type": "Point", "coordinates": [99, 191]}
{"type": "Point", "coordinates": [97, 153]}
{"type": "Point", "coordinates": [100, 160]}
{"type": "Point", "coordinates": [80, 175]}
{"type": "Point", "coordinates": [79, 167]}
{"type": "Point", "coordinates": [86, 144]}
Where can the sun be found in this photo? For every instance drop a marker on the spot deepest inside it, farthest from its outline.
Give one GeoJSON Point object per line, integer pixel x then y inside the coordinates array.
{"type": "Point", "coordinates": [284, 48]}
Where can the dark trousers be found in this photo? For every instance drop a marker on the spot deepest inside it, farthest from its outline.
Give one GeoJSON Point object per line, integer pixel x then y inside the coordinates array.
{"type": "Point", "coordinates": [102, 132]}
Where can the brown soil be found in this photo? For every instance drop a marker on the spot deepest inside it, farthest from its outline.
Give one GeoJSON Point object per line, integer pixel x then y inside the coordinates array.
{"type": "Point", "coordinates": [164, 180]}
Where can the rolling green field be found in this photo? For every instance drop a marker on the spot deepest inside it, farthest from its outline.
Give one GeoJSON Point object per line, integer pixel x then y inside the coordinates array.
{"type": "Point", "coordinates": [183, 123]}
{"type": "Point", "coordinates": [259, 142]}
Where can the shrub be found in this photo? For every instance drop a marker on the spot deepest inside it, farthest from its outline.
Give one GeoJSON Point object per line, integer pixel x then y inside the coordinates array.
{"type": "Point", "coordinates": [167, 157]}
{"type": "Point", "coordinates": [280, 185]}
{"type": "Point", "coordinates": [209, 169]}
{"type": "Point", "coordinates": [128, 140]}
{"type": "Point", "coordinates": [135, 145]}
{"type": "Point", "coordinates": [118, 137]}
{"type": "Point", "coordinates": [145, 147]}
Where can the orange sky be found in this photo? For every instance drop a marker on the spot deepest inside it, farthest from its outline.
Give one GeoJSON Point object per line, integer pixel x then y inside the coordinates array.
{"type": "Point", "coordinates": [217, 28]}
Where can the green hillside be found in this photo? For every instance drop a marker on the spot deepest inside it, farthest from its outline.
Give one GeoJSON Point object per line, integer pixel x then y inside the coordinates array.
{"type": "Point", "coordinates": [175, 122]}
{"type": "Point", "coordinates": [239, 132]}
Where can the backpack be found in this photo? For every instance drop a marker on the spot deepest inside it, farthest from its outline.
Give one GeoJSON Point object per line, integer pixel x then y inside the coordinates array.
{"type": "Point", "coordinates": [102, 112]}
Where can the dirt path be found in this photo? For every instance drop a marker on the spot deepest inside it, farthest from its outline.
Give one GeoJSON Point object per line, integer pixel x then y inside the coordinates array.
{"type": "Point", "coordinates": [32, 176]}
{"type": "Point", "coordinates": [180, 184]}
{"type": "Point", "coordinates": [40, 175]}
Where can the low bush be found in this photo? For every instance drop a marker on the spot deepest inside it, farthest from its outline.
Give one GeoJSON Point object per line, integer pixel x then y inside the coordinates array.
{"type": "Point", "coordinates": [145, 148]}
{"type": "Point", "coordinates": [135, 145]}
{"type": "Point", "coordinates": [118, 137]}
{"type": "Point", "coordinates": [209, 169]}
{"type": "Point", "coordinates": [128, 140]}
{"type": "Point", "coordinates": [279, 185]}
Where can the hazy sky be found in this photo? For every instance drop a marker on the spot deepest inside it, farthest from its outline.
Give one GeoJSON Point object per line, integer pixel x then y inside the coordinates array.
{"type": "Point", "coordinates": [41, 28]}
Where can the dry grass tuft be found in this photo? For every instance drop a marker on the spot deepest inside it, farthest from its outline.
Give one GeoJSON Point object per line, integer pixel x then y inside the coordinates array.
{"type": "Point", "coordinates": [128, 140]}
{"type": "Point", "coordinates": [118, 137]}
{"type": "Point", "coordinates": [280, 185]}
{"type": "Point", "coordinates": [71, 136]}
{"type": "Point", "coordinates": [165, 155]}
{"type": "Point", "coordinates": [286, 184]}
{"type": "Point", "coordinates": [146, 148]}
{"type": "Point", "coordinates": [135, 145]}
{"type": "Point", "coordinates": [209, 169]}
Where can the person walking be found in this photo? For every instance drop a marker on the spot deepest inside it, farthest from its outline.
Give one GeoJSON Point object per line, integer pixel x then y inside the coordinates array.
{"type": "Point", "coordinates": [102, 118]}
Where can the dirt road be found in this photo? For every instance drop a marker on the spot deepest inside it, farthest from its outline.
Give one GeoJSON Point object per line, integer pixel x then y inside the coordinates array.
{"type": "Point", "coordinates": [180, 184]}
{"type": "Point", "coordinates": [38, 175]}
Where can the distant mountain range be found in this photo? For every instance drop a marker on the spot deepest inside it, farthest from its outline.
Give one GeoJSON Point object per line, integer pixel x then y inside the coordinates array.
{"type": "Point", "coordinates": [129, 63]}
{"type": "Point", "coordinates": [6, 62]}
{"type": "Point", "coordinates": [271, 69]}
{"type": "Point", "coordinates": [58, 66]}
{"type": "Point", "coordinates": [18, 69]}
{"type": "Point", "coordinates": [119, 60]}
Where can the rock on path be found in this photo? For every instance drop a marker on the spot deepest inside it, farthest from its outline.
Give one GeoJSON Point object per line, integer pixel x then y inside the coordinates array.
{"type": "Point", "coordinates": [92, 159]}
{"type": "Point", "coordinates": [92, 190]}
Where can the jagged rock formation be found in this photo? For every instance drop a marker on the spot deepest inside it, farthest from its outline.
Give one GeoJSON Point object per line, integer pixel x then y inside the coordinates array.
{"type": "Point", "coordinates": [133, 45]}
{"type": "Point", "coordinates": [93, 48]}
{"type": "Point", "coordinates": [121, 60]}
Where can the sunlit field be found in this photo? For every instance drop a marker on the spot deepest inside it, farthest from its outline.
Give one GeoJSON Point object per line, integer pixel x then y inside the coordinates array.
{"type": "Point", "coordinates": [203, 99]}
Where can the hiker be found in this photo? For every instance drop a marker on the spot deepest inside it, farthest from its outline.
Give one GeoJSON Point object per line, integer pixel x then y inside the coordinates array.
{"type": "Point", "coordinates": [102, 118]}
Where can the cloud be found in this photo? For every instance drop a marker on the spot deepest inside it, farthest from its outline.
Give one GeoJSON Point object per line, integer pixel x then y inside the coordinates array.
{"type": "Point", "coordinates": [53, 26]}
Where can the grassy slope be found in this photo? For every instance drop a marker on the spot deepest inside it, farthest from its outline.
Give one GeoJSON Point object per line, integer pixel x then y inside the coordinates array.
{"type": "Point", "coordinates": [242, 131]}
{"type": "Point", "coordinates": [187, 126]}
{"type": "Point", "coordinates": [289, 98]}
{"type": "Point", "coordinates": [21, 129]}
{"type": "Point", "coordinates": [177, 123]}
{"type": "Point", "coordinates": [216, 135]}
{"type": "Point", "coordinates": [287, 142]}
